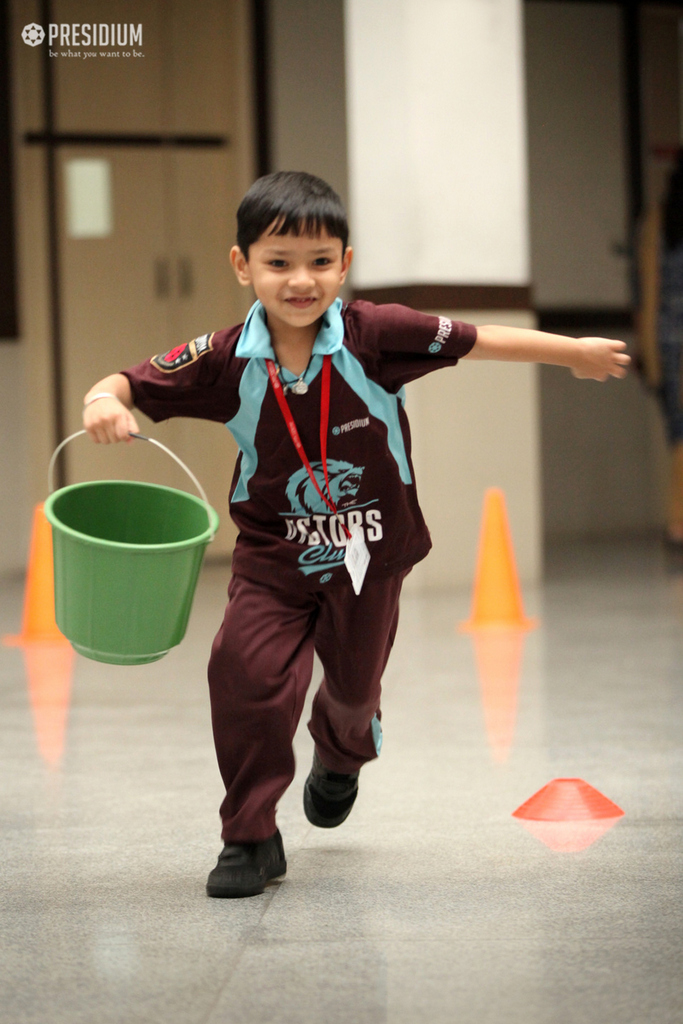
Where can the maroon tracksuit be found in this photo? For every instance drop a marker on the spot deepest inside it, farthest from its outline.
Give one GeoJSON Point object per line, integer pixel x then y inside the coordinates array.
{"type": "Point", "coordinates": [290, 593]}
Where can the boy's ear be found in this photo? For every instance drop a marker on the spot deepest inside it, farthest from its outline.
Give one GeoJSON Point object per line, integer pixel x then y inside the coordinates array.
{"type": "Point", "coordinates": [346, 262]}
{"type": "Point", "coordinates": [240, 265]}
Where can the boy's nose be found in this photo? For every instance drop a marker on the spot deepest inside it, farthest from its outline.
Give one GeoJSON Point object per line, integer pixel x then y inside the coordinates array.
{"type": "Point", "coordinates": [300, 278]}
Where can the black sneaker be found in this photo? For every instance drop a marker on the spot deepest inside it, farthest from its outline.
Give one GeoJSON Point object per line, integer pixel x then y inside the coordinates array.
{"type": "Point", "coordinates": [328, 796]}
{"type": "Point", "coordinates": [243, 869]}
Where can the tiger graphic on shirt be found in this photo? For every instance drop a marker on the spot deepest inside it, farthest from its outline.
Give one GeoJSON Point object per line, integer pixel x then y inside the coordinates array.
{"type": "Point", "coordinates": [311, 523]}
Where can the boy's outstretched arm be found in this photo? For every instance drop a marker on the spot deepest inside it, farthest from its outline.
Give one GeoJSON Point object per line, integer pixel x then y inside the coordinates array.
{"type": "Point", "coordinates": [594, 358]}
{"type": "Point", "coordinates": [109, 419]}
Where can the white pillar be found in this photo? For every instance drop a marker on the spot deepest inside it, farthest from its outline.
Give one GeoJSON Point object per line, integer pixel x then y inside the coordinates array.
{"type": "Point", "coordinates": [438, 206]}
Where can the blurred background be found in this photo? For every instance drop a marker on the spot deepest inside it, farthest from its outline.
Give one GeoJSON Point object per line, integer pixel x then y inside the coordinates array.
{"type": "Point", "coordinates": [496, 157]}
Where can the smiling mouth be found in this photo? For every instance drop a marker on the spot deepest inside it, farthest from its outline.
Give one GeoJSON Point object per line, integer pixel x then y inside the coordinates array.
{"type": "Point", "coordinates": [301, 303]}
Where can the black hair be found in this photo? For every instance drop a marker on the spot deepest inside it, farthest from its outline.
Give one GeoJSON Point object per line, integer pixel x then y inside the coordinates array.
{"type": "Point", "coordinates": [290, 202]}
{"type": "Point", "coordinates": [673, 206]}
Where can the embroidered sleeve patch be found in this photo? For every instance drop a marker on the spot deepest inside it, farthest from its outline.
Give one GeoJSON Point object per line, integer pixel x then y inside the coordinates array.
{"type": "Point", "coordinates": [183, 355]}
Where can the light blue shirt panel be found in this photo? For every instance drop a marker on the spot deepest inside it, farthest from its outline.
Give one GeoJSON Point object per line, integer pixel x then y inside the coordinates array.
{"type": "Point", "coordinates": [255, 345]}
{"type": "Point", "coordinates": [383, 405]}
{"type": "Point", "coordinates": [242, 426]}
{"type": "Point", "coordinates": [255, 337]}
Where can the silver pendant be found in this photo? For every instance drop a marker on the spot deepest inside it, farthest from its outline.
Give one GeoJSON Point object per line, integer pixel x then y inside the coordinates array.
{"type": "Point", "coordinates": [299, 387]}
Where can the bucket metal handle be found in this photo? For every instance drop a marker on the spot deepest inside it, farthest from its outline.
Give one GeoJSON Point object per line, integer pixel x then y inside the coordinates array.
{"type": "Point", "coordinates": [140, 437]}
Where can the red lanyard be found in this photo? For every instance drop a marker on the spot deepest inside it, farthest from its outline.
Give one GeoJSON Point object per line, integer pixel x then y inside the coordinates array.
{"type": "Point", "coordinates": [294, 433]}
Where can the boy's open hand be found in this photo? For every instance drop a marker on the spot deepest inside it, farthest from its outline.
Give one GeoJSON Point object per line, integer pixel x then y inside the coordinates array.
{"type": "Point", "coordinates": [600, 358]}
{"type": "Point", "coordinates": [108, 420]}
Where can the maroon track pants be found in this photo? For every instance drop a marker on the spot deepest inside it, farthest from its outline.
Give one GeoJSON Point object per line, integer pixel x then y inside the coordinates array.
{"type": "Point", "coordinates": [259, 672]}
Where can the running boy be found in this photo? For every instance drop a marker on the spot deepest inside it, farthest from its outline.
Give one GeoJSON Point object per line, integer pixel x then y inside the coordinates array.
{"type": "Point", "coordinates": [312, 391]}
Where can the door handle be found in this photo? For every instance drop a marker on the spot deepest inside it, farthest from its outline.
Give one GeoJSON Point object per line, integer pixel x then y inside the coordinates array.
{"type": "Point", "coordinates": [185, 277]}
{"type": "Point", "coordinates": [162, 278]}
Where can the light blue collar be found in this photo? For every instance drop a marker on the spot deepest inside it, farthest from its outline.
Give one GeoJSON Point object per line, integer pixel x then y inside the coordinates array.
{"type": "Point", "coordinates": [255, 340]}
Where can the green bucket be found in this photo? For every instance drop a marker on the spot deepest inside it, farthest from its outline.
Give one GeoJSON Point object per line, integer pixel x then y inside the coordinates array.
{"type": "Point", "coordinates": [127, 557]}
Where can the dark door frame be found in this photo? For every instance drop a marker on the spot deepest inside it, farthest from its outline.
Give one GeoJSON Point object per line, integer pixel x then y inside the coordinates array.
{"type": "Point", "coordinates": [9, 326]}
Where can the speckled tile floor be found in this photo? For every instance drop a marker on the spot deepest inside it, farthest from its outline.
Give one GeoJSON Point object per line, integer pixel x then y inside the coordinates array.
{"type": "Point", "coordinates": [431, 903]}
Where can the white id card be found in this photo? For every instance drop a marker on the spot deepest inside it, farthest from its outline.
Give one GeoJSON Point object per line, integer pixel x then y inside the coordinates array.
{"type": "Point", "coordinates": [357, 557]}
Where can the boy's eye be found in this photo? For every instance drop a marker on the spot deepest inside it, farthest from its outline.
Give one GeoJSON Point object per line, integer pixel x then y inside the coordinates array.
{"type": "Point", "coordinates": [322, 261]}
{"type": "Point", "coordinates": [276, 263]}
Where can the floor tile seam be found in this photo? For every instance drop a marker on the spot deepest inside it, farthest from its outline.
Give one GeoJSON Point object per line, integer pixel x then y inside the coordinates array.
{"type": "Point", "coordinates": [444, 941]}
{"type": "Point", "coordinates": [248, 943]}
{"type": "Point", "coordinates": [232, 968]}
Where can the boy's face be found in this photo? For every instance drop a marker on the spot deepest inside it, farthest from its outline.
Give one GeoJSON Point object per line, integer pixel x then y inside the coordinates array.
{"type": "Point", "coordinates": [295, 277]}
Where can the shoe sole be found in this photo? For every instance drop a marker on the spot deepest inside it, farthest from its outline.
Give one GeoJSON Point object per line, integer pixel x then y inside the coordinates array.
{"type": "Point", "coordinates": [235, 892]}
{"type": "Point", "coordinates": [317, 819]}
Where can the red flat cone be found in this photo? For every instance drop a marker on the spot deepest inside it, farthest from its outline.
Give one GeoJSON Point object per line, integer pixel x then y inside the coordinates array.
{"type": "Point", "coordinates": [567, 800]}
{"type": "Point", "coordinates": [568, 814]}
{"type": "Point", "coordinates": [499, 659]}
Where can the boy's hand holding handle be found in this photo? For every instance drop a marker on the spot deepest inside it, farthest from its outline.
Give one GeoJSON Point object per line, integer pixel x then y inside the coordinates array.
{"type": "Point", "coordinates": [106, 411]}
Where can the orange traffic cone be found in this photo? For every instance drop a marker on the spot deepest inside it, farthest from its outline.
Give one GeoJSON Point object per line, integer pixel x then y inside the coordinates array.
{"type": "Point", "coordinates": [497, 601]}
{"type": "Point", "coordinates": [568, 815]}
{"type": "Point", "coordinates": [38, 625]}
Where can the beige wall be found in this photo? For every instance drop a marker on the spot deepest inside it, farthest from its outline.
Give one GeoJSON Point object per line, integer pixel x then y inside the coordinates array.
{"type": "Point", "coordinates": [604, 456]}
{"type": "Point", "coordinates": [308, 129]}
{"type": "Point", "coordinates": [474, 427]}
{"type": "Point", "coordinates": [577, 160]}
{"type": "Point", "coordinates": [603, 450]}
{"type": "Point", "coordinates": [437, 142]}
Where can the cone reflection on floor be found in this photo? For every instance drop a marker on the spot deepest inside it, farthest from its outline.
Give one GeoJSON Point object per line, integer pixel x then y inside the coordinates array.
{"type": "Point", "coordinates": [38, 623]}
{"type": "Point", "coordinates": [497, 599]}
{"type": "Point", "coordinates": [48, 655]}
{"type": "Point", "coordinates": [49, 671]}
{"type": "Point", "coordinates": [497, 623]}
{"type": "Point", "coordinates": [498, 657]}
{"type": "Point", "coordinates": [568, 815]}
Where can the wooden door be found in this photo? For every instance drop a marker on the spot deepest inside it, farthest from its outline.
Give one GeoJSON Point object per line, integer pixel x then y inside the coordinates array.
{"type": "Point", "coordinates": [114, 312]}
{"type": "Point", "coordinates": [114, 94]}
{"type": "Point", "coordinates": [204, 296]}
{"type": "Point", "coordinates": [162, 275]}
